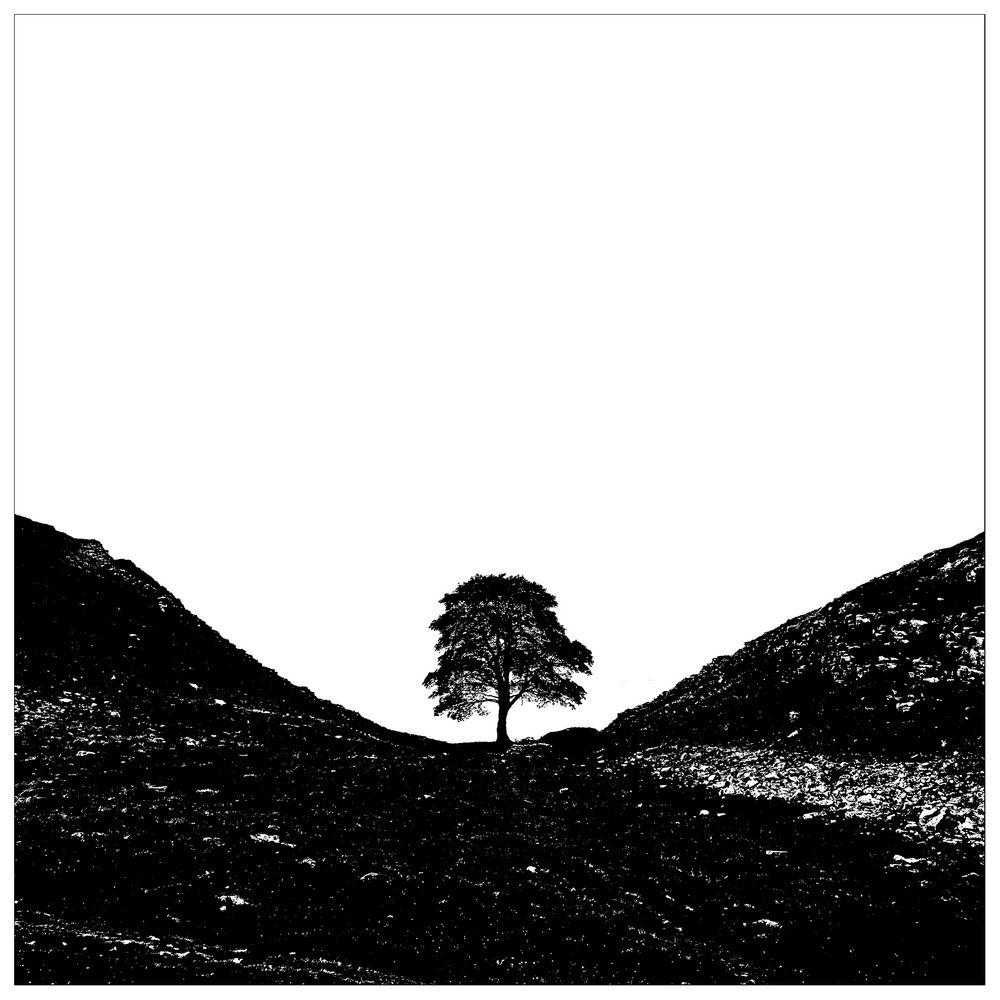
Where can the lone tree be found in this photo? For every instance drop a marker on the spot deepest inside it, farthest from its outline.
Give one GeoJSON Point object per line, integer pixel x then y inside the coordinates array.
{"type": "Point", "coordinates": [501, 643]}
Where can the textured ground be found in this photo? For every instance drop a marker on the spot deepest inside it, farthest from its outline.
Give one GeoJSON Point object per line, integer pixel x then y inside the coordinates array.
{"type": "Point", "coordinates": [185, 815]}
{"type": "Point", "coordinates": [926, 799]}
{"type": "Point", "coordinates": [896, 665]}
{"type": "Point", "coordinates": [242, 846]}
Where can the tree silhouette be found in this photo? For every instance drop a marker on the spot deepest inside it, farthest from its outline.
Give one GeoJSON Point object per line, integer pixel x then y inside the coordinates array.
{"type": "Point", "coordinates": [501, 644]}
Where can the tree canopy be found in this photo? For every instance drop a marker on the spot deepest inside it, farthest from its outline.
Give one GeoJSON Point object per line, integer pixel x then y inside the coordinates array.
{"type": "Point", "coordinates": [501, 643]}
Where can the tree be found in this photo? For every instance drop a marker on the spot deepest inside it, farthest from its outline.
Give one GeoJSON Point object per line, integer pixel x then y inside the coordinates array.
{"type": "Point", "coordinates": [501, 643]}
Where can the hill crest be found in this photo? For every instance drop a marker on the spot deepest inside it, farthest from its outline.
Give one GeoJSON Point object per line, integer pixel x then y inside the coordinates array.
{"type": "Point", "coordinates": [896, 662]}
{"type": "Point", "coordinates": [90, 625]}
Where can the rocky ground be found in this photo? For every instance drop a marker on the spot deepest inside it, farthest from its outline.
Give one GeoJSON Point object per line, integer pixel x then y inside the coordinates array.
{"type": "Point", "coordinates": [185, 815]}
{"type": "Point", "coordinates": [927, 800]}
{"type": "Point", "coordinates": [242, 846]}
{"type": "Point", "coordinates": [894, 666]}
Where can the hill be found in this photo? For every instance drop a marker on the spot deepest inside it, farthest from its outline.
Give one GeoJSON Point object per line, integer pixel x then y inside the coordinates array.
{"type": "Point", "coordinates": [894, 665]}
{"type": "Point", "coordinates": [97, 630]}
{"type": "Point", "coordinates": [184, 815]}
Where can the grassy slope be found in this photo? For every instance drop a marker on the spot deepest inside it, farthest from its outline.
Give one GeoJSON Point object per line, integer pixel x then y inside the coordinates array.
{"type": "Point", "coordinates": [163, 837]}
{"type": "Point", "coordinates": [870, 708]}
{"type": "Point", "coordinates": [101, 627]}
{"type": "Point", "coordinates": [896, 664]}
{"type": "Point", "coordinates": [260, 849]}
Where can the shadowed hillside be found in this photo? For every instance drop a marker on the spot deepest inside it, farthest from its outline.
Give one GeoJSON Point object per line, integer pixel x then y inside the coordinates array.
{"type": "Point", "coordinates": [96, 628]}
{"type": "Point", "coordinates": [894, 665]}
{"type": "Point", "coordinates": [184, 815]}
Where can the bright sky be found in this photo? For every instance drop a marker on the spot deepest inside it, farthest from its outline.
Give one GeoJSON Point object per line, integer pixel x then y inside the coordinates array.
{"type": "Point", "coordinates": [679, 317]}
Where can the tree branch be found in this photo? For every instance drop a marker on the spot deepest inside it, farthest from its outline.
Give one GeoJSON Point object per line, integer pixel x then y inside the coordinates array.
{"type": "Point", "coordinates": [525, 686]}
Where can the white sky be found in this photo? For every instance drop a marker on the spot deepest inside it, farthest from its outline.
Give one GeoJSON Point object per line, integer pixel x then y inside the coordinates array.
{"type": "Point", "coordinates": [680, 317]}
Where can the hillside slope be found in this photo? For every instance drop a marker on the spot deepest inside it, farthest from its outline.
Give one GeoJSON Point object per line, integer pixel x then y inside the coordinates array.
{"type": "Point", "coordinates": [90, 628]}
{"type": "Point", "coordinates": [895, 664]}
{"type": "Point", "coordinates": [183, 815]}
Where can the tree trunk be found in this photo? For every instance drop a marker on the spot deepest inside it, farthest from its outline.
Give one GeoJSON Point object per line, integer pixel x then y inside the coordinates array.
{"type": "Point", "coordinates": [503, 707]}
{"type": "Point", "coordinates": [503, 694]}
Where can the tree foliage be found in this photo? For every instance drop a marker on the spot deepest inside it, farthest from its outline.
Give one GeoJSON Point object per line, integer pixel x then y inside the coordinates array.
{"type": "Point", "coordinates": [501, 643]}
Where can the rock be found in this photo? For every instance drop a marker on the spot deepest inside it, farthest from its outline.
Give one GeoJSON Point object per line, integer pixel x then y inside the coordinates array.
{"type": "Point", "coordinates": [574, 739]}
{"type": "Point", "coordinates": [927, 812]}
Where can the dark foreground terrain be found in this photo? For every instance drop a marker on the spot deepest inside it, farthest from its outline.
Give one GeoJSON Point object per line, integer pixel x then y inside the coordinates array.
{"type": "Point", "coordinates": [184, 816]}
{"type": "Point", "coordinates": [151, 852]}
